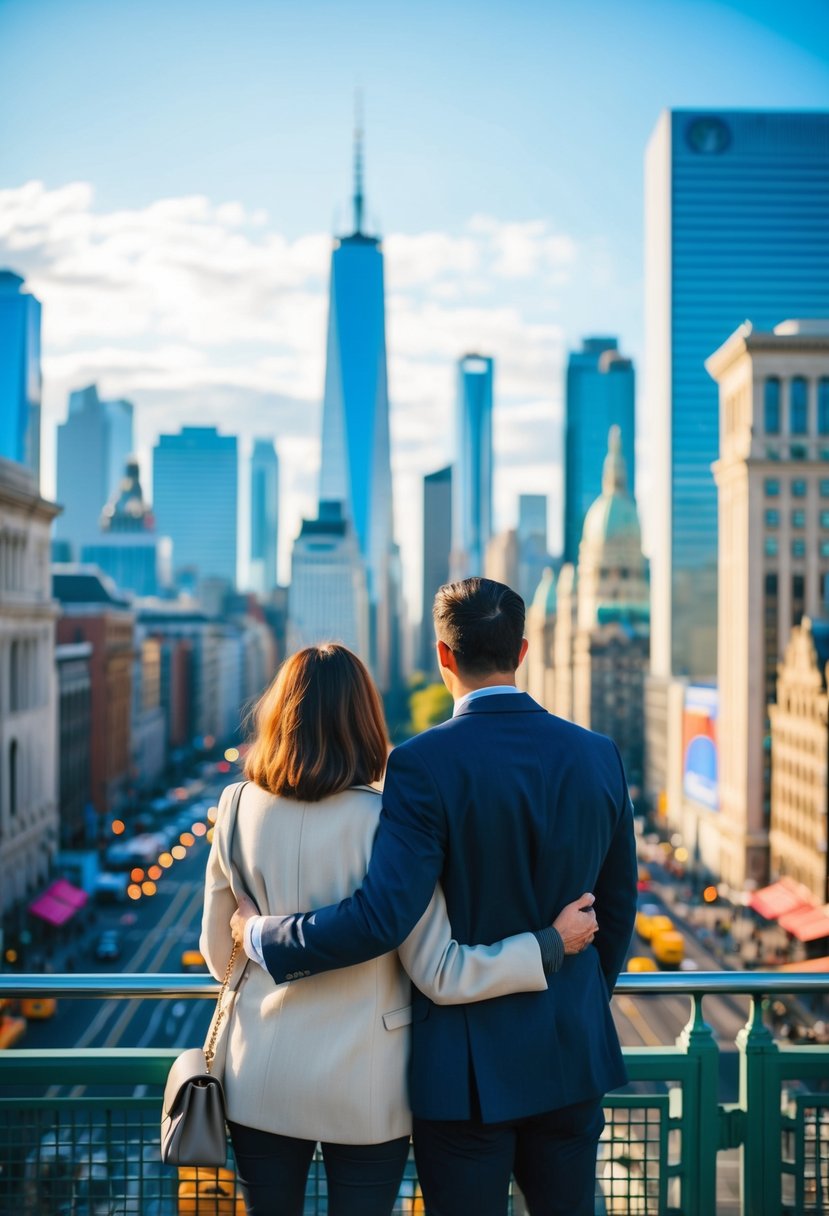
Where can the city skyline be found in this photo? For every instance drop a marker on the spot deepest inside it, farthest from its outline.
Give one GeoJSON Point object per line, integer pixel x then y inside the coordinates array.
{"type": "Point", "coordinates": [503, 250]}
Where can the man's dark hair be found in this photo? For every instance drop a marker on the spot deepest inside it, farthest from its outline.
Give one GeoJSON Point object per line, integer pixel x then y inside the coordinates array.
{"type": "Point", "coordinates": [482, 623]}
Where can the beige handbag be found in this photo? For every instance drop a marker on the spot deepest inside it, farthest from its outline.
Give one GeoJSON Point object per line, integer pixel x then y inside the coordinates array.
{"type": "Point", "coordinates": [193, 1128]}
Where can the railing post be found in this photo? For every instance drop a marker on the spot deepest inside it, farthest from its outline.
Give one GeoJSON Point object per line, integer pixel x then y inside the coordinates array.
{"type": "Point", "coordinates": [760, 1187]}
{"type": "Point", "coordinates": [700, 1115]}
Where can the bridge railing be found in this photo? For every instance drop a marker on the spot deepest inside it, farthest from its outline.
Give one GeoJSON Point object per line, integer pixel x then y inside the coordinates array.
{"type": "Point", "coordinates": [79, 1128]}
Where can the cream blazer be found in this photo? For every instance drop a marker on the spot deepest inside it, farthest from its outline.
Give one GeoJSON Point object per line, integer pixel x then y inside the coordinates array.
{"type": "Point", "coordinates": [325, 1058]}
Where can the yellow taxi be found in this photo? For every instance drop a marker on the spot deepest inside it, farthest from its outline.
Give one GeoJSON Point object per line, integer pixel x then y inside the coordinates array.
{"type": "Point", "coordinates": [668, 947]}
{"type": "Point", "coordinates": [641, 962]}
{"type": "Point", "coordinates": [191, 960]}
{"type": "Point", "coordinates": [38, 1008]}
{"type": "Point", "coordinates": [11, 1029]}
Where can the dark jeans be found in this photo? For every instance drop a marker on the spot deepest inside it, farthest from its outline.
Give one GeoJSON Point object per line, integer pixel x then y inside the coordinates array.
{"type": "Point", "coordinates": [464, 1167]}
{"type": "Point", "coordinates": [363, 1179]}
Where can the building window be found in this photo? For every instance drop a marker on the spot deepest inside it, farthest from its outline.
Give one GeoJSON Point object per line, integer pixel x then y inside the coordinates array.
{"type": "Point", "coordinates": [798, 548]}
{"type": "Point", "coordinates": [823, 405]}
{"type": "Point", "coordinates": [799, 406]}
{"type": "Point", "coordinates": [824, 487]}
{"type": "Point", "coordinates": [799, 518]}
{"type": "Point", "coordinates": [771, 546]}
{"type": "Point", "coordinates": [824, 519]}
{"type": "Point", "coordinates": [799, 488]}
{"type": "Point", "coordinates": [824, 552]}
{"type": "Point", "coordinates": [798, 452]}
{"type": "Point", "coordinates": [798, 598]}
{"type": "Point", "coordinates": [771, 406]}
{"type": "Point", "coordinates": [772, 519]}
{"type": "Point", "coordinates": [13, 777]}
{"type": "Point", "coordinates": [772, 487]}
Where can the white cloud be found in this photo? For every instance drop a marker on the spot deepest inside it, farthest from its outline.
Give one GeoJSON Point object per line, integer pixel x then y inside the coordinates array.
{"type": "Point", "coordinates": [204, 312]}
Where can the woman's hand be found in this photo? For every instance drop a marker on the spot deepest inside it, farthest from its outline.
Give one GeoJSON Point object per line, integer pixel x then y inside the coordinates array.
{"type": "Point", "coordinates": [577, 924]}
{"type": "Point", "coordinates": [247, 908]}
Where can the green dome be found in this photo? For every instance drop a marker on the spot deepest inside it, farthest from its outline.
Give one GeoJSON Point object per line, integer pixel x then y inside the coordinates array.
{"type": "Point", "coordinates": [613, 516]}
{"type": "Point", "coordinates": [545, 599]}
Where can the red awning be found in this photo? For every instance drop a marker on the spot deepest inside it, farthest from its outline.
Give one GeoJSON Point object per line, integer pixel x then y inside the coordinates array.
{"type": "Point", "coordinates": [58, 902]}
{"type": "Point", "coordinates": [780, 898]}
{"type": "Point", "coordinates": [806, 924]}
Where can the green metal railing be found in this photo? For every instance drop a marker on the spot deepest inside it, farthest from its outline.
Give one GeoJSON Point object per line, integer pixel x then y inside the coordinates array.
{"type": "Point", "coordinates": [96, 1154]}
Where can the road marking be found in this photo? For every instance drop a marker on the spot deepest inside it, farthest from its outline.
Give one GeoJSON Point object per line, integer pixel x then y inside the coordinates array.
{"type": "Point", "coordinates": [637, 1019]}
{"type": "Point", "coordinates": [169, 940]}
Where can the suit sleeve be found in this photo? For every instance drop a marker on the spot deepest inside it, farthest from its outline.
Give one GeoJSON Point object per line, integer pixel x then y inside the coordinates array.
{"type": "Point", "coordinates": [452, 974]}
{"type": "Point", "coordinates": [405, 864]}
{"type": "Point", "coordinates": [615, 888]}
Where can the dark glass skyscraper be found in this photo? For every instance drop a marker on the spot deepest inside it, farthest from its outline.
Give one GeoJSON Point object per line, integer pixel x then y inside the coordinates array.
{"type": "Point", "coordinates": [19, 373]}
{"type": "Point", "coordinates": [600, 394]}
{"type": "Point", "coordinates": [736, 228]}
{"type": "Point", "coordinates": [356, 463]}
{"type": "Point", "coordinates": [437, 542]}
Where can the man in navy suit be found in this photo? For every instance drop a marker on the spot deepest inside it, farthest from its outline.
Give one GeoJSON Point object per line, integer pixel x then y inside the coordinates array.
{"type": "Point", "coordinates": [516, 812]}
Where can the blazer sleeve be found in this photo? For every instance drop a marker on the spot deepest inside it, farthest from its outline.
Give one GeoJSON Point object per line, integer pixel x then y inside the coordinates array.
{"type": "Point", "coordinates": [452, 974]}
{"type": "Point", "coordinates": [615, 888]}
{"type": "Point", "coordinates": [216, 941]}
{"type": "Point", "coordinates": [406, 862]}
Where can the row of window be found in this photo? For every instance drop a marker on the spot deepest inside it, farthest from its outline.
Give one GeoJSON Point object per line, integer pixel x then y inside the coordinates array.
{"type": "Point", "coordinates": [798, 406]}
{"type": "Point", "coordinates": [798, 518]}
{"type": "Point", "coordinates": [799, 487]}
{"type": "Point", "coordinates": [771, 546]}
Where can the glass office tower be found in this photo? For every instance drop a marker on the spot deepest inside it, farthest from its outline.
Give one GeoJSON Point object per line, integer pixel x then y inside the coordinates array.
{"type": "Point", "coordinates": [736, 228]}
{"type": "Point", "coordinates": [472, 476]}
{"type": "Point", "coordinates": [264, 515]}
{"type": "Point", "coordinates": [356, 462]}
{"type": "Point", "coordinates": [600, 394]}
{"type": "Point", "coordinates": [94, 444]}
{"type": "Point", "coordinates": [437, 542]}
{"type": "Point", "coordinates": [195, 495]}
{"type": "Point", "coordinates": [19, 373]}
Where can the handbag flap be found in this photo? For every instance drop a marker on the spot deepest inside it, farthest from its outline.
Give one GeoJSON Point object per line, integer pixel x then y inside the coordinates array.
{"type": "Point", "coordinates": [190, 1066]}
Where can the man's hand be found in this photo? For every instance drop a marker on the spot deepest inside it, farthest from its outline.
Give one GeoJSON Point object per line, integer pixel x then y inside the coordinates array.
{"type": "Point", "coordinates": [247, 908]}
{"type": "Point", "coordinates": [577, 924]}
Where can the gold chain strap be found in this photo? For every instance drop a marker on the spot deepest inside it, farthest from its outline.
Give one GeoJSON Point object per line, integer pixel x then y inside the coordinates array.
{"type": "Point", "coordinates": [210, 1049]}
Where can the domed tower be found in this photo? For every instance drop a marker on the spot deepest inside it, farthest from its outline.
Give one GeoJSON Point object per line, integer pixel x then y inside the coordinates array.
{"type": "Point", "coordinates": [612, 569]}
{"type": "Point", "coordinates": [611, 641]}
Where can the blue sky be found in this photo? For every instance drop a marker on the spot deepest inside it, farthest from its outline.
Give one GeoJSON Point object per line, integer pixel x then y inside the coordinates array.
{"type": "Point", "coordinates": [208, 150]}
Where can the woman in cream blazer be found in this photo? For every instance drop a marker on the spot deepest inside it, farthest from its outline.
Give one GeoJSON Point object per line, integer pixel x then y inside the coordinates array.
{"type": "Point", "coordinates": [325, 1060]}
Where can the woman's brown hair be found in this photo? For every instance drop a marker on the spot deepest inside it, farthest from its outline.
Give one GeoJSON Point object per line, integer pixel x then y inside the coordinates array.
{"type": "Point", "coordinates": [319, 727]}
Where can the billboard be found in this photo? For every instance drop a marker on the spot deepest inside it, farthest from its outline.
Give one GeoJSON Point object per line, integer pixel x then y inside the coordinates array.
{"type": "Point", "coordinates": [700, 760]}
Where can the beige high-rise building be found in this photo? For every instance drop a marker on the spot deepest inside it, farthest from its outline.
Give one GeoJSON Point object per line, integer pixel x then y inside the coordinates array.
{"type": "Point", "coordinates": [537, 672]}
{"type": "Point", "coordinates": [501, 559]}
{"type": "Point", "coordinates": [799, 760]}
{"type": "Point", "coordinates": [773, 492]}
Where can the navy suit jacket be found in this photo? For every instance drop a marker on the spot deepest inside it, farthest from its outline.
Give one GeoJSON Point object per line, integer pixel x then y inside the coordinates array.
{"type": "Point", "coordinates": [517, 813]}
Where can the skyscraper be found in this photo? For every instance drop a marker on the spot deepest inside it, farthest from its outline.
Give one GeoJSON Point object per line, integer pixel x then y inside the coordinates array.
{"type": "Point", "coordinates": [600, 394]}
{"type": "Point", "coordinates": [772, 479]}
{"type": "Point", "coordinates": [472, 476]}
{"type": "Point", "coordinates": [736, 225]}
{"type": "Point", "coordinates": [327, 598]}
{"type": "Point", "coordinates": [533, 547]}
{"type": "Point", "coordinates": [19, 373]}
{"type": "Point", "coordinates": [195, 494]}
{"type": "Point", "coordinates": [93, 446]}
{"type": "Point", "coordinates": [437, 542]}
{"type": "Point", "coordinates": [264, 515]}
{"type": "Point", "coordinates": [356, 466]}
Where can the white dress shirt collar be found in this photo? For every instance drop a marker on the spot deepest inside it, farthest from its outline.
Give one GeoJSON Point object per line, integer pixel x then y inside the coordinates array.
{"type": "Point", "coordinates": [489, 691]}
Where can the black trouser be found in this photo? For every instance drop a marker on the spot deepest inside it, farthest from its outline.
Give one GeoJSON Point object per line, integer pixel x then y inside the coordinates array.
{"type": "Point", "coordinates": [363, 1179]}
{"type": "Point", "coordinates": [464, 1167]}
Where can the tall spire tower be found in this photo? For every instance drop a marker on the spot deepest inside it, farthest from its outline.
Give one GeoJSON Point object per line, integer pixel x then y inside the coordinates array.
{"type": "Point", "coordinates": [356, 465]}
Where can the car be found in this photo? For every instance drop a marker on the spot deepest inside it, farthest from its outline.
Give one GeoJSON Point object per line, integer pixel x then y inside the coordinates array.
{"type": "Point", "coordinates": [38, 1008]}
{"type": "Point", "coordinates": [668, 947]}
{"type": "Point", "coordinates": [644, 916]}
{"type": "Point", "coordinates": [192, 959]}
{"type": "Point", "coordinates": [641, 962]}
{"type": "Point", "coordinates": [11, 1029]}
{"type": "Point", "coordinates": [108, 946]}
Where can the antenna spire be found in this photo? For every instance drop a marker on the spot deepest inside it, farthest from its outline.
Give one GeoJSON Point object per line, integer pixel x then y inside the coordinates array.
{"type": "Point", "coordinates": [358, 162]}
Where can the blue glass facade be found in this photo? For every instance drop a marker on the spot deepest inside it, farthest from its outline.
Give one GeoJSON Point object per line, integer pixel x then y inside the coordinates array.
{"type": "Point", "coordinates": [737, 227]}
{"type": "Point", "coordinates": [20, 382]}
{"type": "Point", "coordinates": [600, 394]}
{"type": "Point", "coordinates": [472, 476]}
{"type": "Point", "coordinates": [264, 515]}
{"type": "Point", "coordinates": [195, 497]}
{"type": "Point", "coordinates": [94, 444]}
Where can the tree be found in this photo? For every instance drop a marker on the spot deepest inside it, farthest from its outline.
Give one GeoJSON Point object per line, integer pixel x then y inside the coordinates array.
{"type": "Point", "coordinates": [428, 706]}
